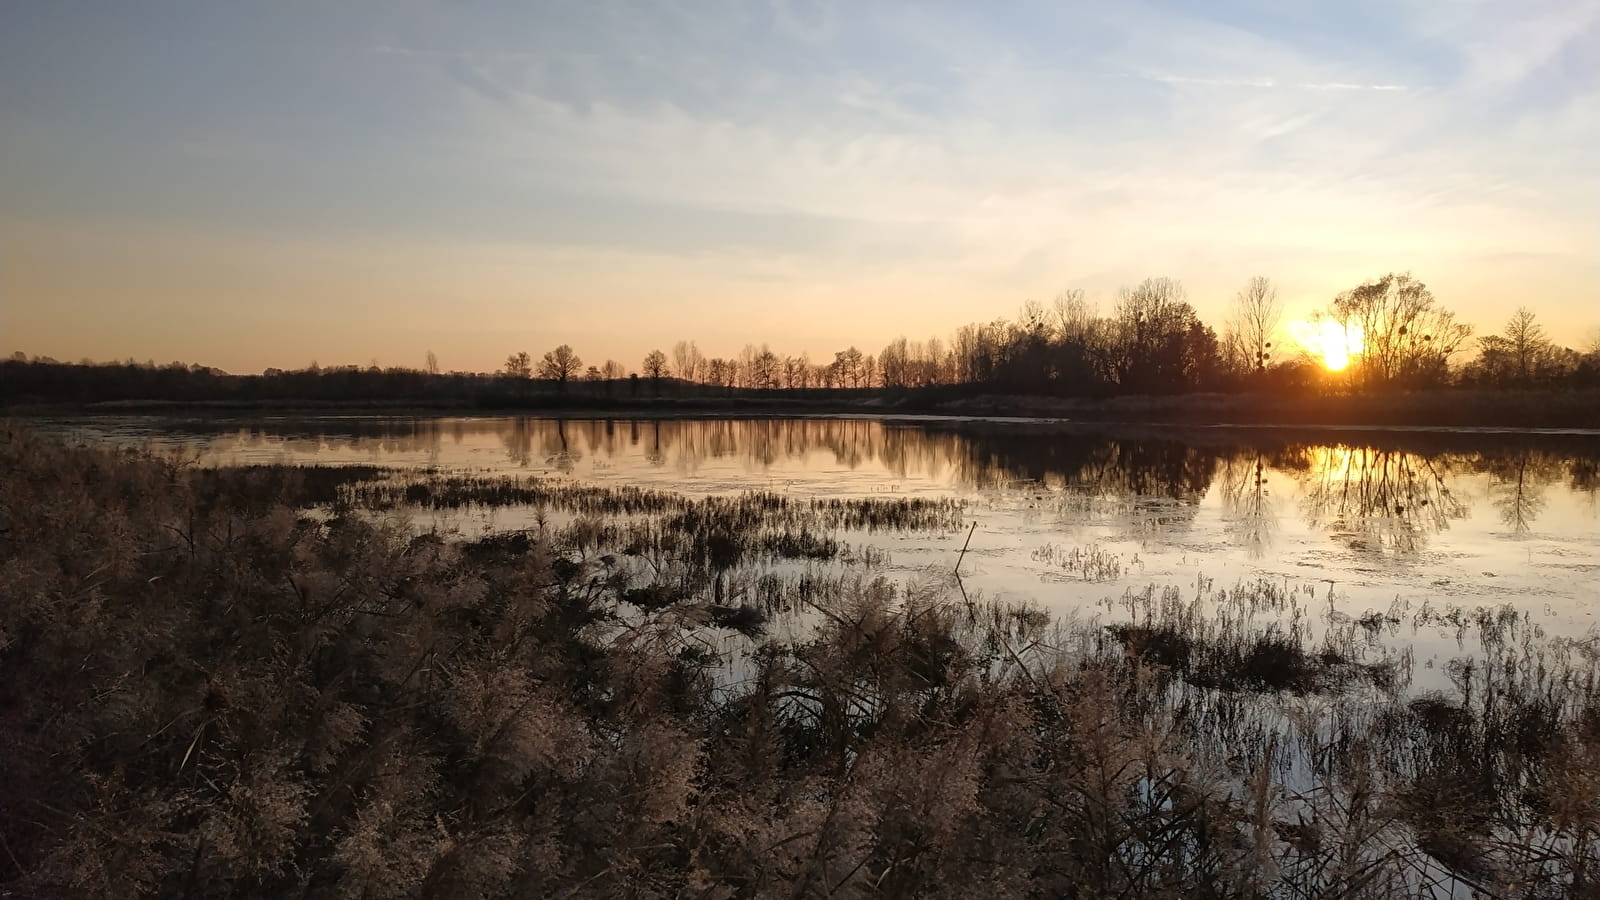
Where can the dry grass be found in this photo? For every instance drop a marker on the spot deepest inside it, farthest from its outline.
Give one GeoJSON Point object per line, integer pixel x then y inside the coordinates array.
{"type": "Point", "coordinates": [208, 693]}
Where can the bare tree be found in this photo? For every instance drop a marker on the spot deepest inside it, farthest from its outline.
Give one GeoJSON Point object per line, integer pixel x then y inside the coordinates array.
{"type": "Point", "coordinates": [432, 363]}
{"type": "Point", "coordinates": [613, 370]}
{"type": "Point", "coordinates": [796, 370]}
{"type": "Point", "coordinates": [764, 368]}
{"type": "Point", "coordinates": [1254, 324]}
{"type": "Point", "coordinates": [518, 365]}
{"type": "Point", "coordinates": [559, 365]}
{"type": "Point", "coordinates": [936, 363]}
{"type": "Point", "coordinates": [1493, 364]}
{"type": "Point", "coordinates": [1159, 344]}
{"type": "Point", "coordinates": [746, 365]}
{"type": "Point", "coordinates": [849, 365]}
{"type": "Point", "coordinates": [655, 366]}
{"type": "Point", "coordinates": [895, 364]}
{"type": "Point", "coordinates": [687, 361]}
{"type": "Point", "coordinates": [1033, 321]}
{"type": "Point", "coordinates": [1074, 315]}
{"type": "Point", "coordinates": [1526, 344]}
{"type": "Point", "coordinates": [1406, 338]}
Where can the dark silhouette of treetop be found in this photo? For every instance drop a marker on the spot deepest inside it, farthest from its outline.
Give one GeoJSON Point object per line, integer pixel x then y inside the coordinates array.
{"type": "Point", "coordinates": [518, 365]}
{"type": "Point", "coordinates": [560, 365]}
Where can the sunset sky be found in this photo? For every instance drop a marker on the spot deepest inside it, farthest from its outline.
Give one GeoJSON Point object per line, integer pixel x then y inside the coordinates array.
{"type": "Point", "coordinates": [267, 184]}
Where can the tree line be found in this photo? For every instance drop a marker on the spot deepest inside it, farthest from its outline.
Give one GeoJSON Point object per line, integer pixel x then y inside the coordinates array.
{"type": "Point", "coordinates": [1392, 335]}
{"type": "Point", "coordinates": [1396, 335]}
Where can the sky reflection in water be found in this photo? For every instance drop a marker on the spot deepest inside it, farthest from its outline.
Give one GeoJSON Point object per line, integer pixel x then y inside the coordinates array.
{"type": "Point", "coordinates": [1376, 518]}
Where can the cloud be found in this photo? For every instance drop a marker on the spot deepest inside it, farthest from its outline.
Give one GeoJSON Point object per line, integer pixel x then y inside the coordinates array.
{"type": "Point", "coordinates": [984, 161]}
{"type": "Point", "coordinates": [1347, 86]}
{"type": "Point", "coordinates": [893, 150]}
{"type": "Point", "coordinates": [1272, 83]}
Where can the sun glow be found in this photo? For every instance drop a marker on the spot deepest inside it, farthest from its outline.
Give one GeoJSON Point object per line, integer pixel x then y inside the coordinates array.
{"type": "Point", "coordinates": [1333, 342]}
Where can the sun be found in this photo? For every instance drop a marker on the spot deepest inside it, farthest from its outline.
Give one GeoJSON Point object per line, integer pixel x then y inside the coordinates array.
{"type": "Point", "coordinates": [1333, 342]}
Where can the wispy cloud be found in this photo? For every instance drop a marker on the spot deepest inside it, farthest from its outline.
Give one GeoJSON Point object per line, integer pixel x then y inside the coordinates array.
{"type": "Point", "coordinates": [1347, 86]}
{"type": "Point", "coordinates": [1273, 83]}
{"type": "Point", "coordinates": [997, 145]}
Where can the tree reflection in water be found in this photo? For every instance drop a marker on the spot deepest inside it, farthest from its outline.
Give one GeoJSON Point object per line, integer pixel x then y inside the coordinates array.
{"type": "Point", "coordinates": [1243, 483]}
{"type": "Point", "coordinates": [1380, 501]}
{"type": "Point", "coordinates": [546, 440]}
{"type": "Point", "coordinates": [1380, 492]}
{"type": "Point", "coordinates": [1517, 484]}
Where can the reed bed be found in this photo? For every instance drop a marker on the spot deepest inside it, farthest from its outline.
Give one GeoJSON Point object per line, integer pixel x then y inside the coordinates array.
{"type": "Point", "coordinates": [1091, 563]}
{"type": "Point", "coordinates": [203, 694]}
{"type": "Point", "coordinates": [741, 511]}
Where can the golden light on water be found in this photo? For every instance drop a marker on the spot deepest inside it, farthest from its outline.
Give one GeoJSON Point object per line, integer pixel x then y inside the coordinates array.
{"type": "Point", "coordinates": [1325, 338]}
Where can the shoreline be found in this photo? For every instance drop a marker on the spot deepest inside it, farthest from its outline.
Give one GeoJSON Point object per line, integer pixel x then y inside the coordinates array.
{"type": "Point", "coordinates": [1486, 412]}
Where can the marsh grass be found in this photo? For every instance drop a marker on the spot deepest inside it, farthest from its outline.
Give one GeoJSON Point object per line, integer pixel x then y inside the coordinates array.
{"type": "Point", "coordinates": [206, 694]}
{"type": "Point", "coordinates": [741, 511]}
{"type": "Point", "coordinates": [1255, 637]}
{"type": "Point", "coordinates": [1091, 563]}
{"type": "Point", "coordinates": [689, 545]}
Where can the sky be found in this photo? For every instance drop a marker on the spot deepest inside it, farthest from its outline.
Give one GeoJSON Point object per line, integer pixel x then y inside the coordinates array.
{"type": "Point", "coordinates": [262, 184]}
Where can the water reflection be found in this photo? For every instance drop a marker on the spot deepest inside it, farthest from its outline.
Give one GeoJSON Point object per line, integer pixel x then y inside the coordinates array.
{"type": "Point", "coordinates": [1379, 500]}
{"type": "Point", "coordinates": [1243, 480]}
{"type": "Point", "coordinates": [1387, 494]}
{"type": "Point", "coordinates": [1518, 486]}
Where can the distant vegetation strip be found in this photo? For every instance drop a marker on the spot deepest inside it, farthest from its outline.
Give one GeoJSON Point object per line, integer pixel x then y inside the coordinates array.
{"type": "Point", "coordinates": [1357, 362]}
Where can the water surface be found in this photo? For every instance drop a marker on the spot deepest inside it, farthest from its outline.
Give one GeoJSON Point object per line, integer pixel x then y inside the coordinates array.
{"type": "Point", "coordinates": [1066, 517]}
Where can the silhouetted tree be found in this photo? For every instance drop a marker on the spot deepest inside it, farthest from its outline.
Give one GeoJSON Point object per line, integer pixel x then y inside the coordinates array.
{"type": "Point", "coordinates": [1408, 339]}
{"type": "Point", "coordinates": [1161, 345]}
{"type": "Point", "coordinates": [687, 361]}
{"type": "Point", "coordinates": [1254, 323]}
{"type": "Point", "coordinates": [1521, 356]}
{"type": "Point", "coordinates": [1525, 342]}
{"type": "Point", "coordinates": [849, 369]}
{"type": "Point", "coordinates": [1074, 315]}
{"type": "Point", "coordinates": [895, 364]}
{"type": "Point", "coordinates": [655, 366]}
{"type": "Point", "coordinates": [559, 365]}
{"type": "Point", "coordinates": [720, 372]}
{"type": "Point", "coordinates": [764, 369]}
{"type": "Point", "coordinates": [796, 372]}
{"type": "Point", "coordinates": [518, 365]}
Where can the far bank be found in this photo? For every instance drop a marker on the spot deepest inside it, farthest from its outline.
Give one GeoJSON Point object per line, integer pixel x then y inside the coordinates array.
{"type": "Point", "coordinates": [1437, 408]}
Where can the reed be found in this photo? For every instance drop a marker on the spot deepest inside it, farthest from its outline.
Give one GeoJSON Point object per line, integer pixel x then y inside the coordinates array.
{"type": "Point", "coordinates": [206, 693]}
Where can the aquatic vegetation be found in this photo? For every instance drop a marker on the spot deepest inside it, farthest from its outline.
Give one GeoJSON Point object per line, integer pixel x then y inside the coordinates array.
{"type": "Point", "coordinates": [740, 511]}
{"type": "Point", "coordinates": [207, 693]}
{"type": "Point", "coordinates": [1091, 563]}
{"type": "Point", "coordinates": [1218, 640]}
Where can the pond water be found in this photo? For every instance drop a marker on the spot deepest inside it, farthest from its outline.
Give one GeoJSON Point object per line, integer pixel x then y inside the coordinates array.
{"type": "Point", "coordinates": [1068, 517]}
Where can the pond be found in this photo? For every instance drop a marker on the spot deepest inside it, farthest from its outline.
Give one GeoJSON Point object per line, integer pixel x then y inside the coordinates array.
{"type": "Point", "coordinates": [1067, 517]}
{"type": "Point", "coordinates": [1359, 626]}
